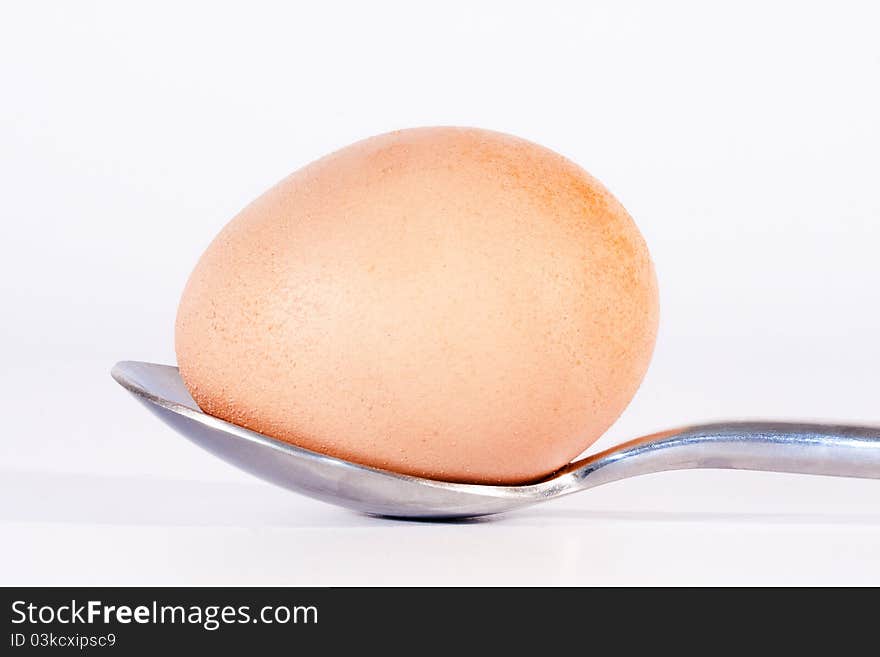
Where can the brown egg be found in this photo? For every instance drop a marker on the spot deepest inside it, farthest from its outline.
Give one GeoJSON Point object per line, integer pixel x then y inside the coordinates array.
{"type": "Point", "coordinates": [451, 303]}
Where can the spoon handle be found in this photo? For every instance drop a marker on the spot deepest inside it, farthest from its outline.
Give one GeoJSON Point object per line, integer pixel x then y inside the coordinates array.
{"type": "Point", "coordinates": [823, 449]}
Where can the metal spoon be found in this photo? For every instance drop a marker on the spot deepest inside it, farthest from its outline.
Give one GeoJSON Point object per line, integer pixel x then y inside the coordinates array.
{"type": "Point", "coordinates": [838, 450]}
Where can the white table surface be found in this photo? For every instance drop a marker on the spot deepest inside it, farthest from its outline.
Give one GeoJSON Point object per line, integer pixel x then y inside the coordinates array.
{"type": "Point", "coordinates": [94, 490]}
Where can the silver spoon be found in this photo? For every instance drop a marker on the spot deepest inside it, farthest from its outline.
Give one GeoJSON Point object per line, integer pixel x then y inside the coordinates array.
{"type": "Point", "coordinates": [844, 451]}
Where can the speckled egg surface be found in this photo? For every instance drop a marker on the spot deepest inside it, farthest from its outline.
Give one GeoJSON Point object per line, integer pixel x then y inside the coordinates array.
{"type": "Point", "coordinates": [451, 303]}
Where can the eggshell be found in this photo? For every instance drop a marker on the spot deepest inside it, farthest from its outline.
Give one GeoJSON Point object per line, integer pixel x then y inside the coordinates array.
{"type": "Point", "coordinates": [451, 303]}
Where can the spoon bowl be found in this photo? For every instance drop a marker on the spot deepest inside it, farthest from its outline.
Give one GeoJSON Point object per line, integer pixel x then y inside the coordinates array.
{"type": "Point", "coordinates": [825, 449]}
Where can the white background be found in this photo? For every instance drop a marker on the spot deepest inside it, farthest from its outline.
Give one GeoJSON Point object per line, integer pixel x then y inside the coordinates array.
{"type": "Point", "coordinates": [744, 140]}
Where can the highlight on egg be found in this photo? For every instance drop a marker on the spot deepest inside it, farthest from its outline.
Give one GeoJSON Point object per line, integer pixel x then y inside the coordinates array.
{"type": "Point", "coordinates": [450, 303]}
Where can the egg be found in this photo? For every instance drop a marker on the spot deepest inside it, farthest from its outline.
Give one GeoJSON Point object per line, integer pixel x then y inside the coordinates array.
{"type": "Point", "coordinates": [450, 303]}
